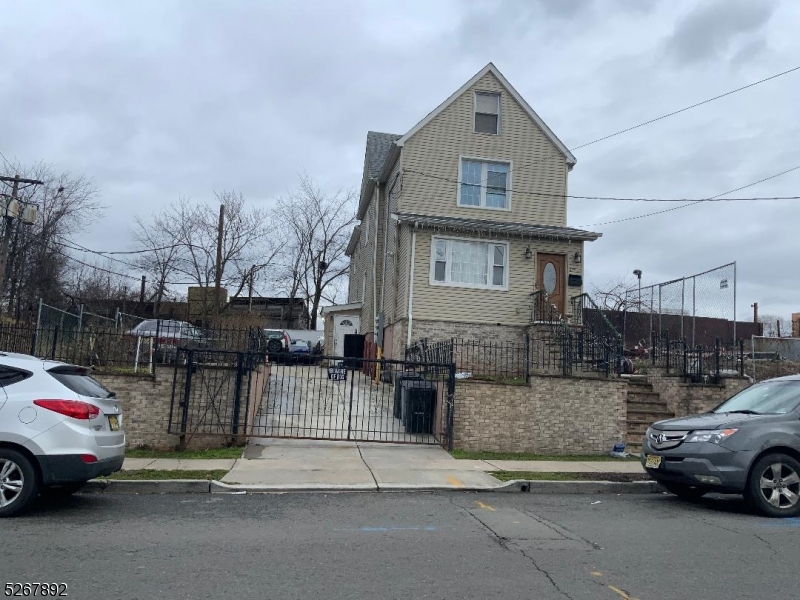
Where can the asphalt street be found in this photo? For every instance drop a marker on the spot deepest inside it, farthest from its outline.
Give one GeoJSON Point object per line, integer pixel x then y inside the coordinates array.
{"type": "Point", "coordinates": [446, 545]}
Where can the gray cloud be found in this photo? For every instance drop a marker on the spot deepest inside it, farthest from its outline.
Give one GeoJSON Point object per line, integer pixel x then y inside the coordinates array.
{"type": "Point", "coordinates": [165, 98]}
{"type": "Point", "coordinates": [712, 30]}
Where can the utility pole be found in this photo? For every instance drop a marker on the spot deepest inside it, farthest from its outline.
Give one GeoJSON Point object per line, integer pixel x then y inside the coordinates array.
{"type": "Point", "coordinates": [218, 266]}
{"type": "Point", "coordinates": [141, 292]}
{"type": "Point", "coordinates": [250, 290]}
{"type": "Point", "coordinates": [755, 312]}
{"type": "Point", "coordinates": [10, 203]}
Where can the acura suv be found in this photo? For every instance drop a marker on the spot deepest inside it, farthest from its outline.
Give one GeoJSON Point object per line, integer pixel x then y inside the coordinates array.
{"type": "Point", "coordinates": [59, 428]}
{"type": "Point", "coordinates": [749, 444]}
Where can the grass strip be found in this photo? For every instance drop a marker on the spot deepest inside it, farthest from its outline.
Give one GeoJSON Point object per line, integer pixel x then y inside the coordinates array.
{"type": "Point", "coordinates": [561, 476]}
{"type": "Point", "coordinates": [156, 474]}
{"type": "Point", "coordinates": [210, 453]}
{"type": "Point", "coordinates": [478, 455]}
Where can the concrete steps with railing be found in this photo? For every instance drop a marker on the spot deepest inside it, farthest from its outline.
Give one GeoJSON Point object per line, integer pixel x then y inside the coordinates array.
{"type": "Point", "coordinates": [645, 407]}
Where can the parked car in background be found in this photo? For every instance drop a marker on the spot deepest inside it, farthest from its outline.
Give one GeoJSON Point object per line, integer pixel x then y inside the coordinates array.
{"type": "Point", "coordinates": [749, 444]}
{"type": "Point", "coordinates": [278, 342]}
{"type": "Point", "coordinates": [301, 350]}
{"type": "Point", "coordinates": [169, 334]}
{"type": "Point", "coordinates": [59, 428]}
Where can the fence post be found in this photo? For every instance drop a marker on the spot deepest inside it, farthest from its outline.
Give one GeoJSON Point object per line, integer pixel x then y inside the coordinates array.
{"type": "Point", "coordinates": [685, 359]}
{"type": "Point", "coordinates": [39, 315]}
{"type": "Point", "coordinates": [237, 394]}
{"type": "Point", "coordinates": [698, 350]}
{"type": "Point", "coordinates": [187, 394]}
{"type": "Point", "coordinates": [653, 347]}
{"type": "Point", "coordinates": [80, 320]}
{"type": "Point", "coordinates": [741, 358]}
{"type": "Point", "coordinates": [667, 349]}
{"type": "Point", "coordinates": [55, 340]}
{"type": "Point", "coordinates": [716, 361]}
{"type": "Point", "coordinates": [527, 358]}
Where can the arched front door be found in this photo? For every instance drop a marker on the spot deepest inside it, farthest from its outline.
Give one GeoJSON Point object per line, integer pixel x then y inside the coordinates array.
{"type": "Point", "coordinates": [551, 278]}
{"type": "Point", "coordinates": [344, 326]}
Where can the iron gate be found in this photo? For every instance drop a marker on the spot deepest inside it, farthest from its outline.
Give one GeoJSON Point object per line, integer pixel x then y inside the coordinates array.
{"type": "Point", "coordinates": [215, 393]}
{"type": "Point", "coordinates": [327, 398]}
{"type": "Point", "coordinates": [239, 395]}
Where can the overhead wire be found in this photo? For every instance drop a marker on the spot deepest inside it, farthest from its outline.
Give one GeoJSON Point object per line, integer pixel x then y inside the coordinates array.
{"type": "Point", "coordinates": [712, 198]}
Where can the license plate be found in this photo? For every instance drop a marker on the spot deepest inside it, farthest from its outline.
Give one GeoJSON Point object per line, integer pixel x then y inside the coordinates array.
{"type": "Point", "coordinates": [113, 422]}
{"type": "Point", "coordinates": [652, 462]}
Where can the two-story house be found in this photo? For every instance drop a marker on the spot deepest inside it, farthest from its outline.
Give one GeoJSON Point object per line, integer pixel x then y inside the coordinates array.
{"type": "Point", "coordinates": [462, 219]}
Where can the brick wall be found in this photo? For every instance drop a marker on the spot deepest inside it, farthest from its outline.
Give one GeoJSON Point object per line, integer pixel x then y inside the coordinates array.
{"type": "Point", "coordinates": [146, 403]}
{"type": "Point", "coordinates": [444, 330]}
{"type": "Point", "coordinates": [552, 415]}
{"type": "Point", "coordinates": [692, 398]}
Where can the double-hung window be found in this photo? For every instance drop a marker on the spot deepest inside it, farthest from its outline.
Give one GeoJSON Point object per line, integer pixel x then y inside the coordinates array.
{"type": "Point", "coordinates": [487, 112]}
{"type": "Point", "coordinates": [465, 263]}
{"type": "Point", "coordinates": [484, 184]}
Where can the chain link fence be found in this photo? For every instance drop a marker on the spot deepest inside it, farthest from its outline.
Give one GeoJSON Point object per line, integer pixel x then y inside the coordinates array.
{"type": "Point", "coordinates": [697, 308]}
{"type": "Point", "coordinates": [772, 357]}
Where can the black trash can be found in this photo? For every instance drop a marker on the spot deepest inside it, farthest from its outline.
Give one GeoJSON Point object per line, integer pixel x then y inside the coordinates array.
{"type": "Point", "coordinates": [398, 390]}
{"type": "Point", "coordinates": [418, 405]}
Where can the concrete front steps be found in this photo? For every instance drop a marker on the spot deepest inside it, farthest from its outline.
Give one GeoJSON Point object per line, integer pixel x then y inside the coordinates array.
{"type": "Point", "coordinates": [645, 407]}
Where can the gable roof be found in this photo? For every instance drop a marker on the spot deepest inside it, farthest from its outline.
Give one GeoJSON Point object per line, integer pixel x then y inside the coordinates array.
{"type": "Point", "coordinates": [490, 68]}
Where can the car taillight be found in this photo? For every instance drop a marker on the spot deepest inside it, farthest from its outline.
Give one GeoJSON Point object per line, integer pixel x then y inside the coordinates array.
{"type": "Point", "coordinates": [70, 408]}
{"type": "Point", "coordinates": [168, 341]}
{"type": "Point", "coordinates": [88, 458]}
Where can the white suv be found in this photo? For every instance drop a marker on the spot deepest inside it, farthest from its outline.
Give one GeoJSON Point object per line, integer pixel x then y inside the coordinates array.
{"type": "Point", "coordinates": [59, 428]}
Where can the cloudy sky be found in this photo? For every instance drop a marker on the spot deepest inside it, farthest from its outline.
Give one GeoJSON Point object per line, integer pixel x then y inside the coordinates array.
{"type": "Point", "coordinates": [156, 99]}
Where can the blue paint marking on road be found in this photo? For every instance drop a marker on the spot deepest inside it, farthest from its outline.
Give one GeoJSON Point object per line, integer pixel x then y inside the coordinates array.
{"type": "Point", "coordinates": [783, 523]}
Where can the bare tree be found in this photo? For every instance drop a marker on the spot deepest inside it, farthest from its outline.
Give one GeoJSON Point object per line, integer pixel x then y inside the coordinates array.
{"type": "Point", "coordinates": [317, 228]}
{"type": "Point", "coordinates": [775, 326]}
{"type": "Point", "coordinates": [617, 295]}
{"type": "Point", "coordinates": [38, 259]}
{"type": "Point", "coordinates": [182, 243]}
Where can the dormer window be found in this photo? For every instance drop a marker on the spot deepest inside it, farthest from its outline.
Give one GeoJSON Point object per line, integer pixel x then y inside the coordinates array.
{"type": "Point", "coordinates": [487, 112]}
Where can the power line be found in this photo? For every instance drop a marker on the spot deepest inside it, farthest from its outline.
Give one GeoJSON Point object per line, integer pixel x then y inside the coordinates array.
{"type": "Point", "coordinates": [658, 212]}
{"type": "Point", "coordinates": [653, 120]}
{"type": "Point", "coordinates": [610, 198]}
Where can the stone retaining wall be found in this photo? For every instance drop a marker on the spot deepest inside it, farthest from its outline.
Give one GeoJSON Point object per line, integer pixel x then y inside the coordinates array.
{"type": "Point", "coordinates": [552, 415]}
{"type": "Point", "coordinates": [693, 398]}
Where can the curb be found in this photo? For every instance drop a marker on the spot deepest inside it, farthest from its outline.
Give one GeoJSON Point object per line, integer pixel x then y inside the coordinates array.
{"type": "Point", "coordinates": [148, 486]}
{"type": "Point", "coordinates": [581, 487]}
{"type": "Point", "coordinates": [202, 486]}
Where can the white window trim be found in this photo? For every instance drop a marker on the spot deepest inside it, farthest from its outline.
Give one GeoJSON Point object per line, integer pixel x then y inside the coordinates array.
{"type": "Point", "coordinates": [499, 111]}
{"type": "Point", "coordinates": [509, 187]}
{"type": "Point", "coordinates": [499, 288]}
{"type": "Point", "coordinates": [366, 227]}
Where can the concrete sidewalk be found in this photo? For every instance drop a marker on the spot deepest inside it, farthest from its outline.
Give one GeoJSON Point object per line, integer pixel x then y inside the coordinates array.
{"type": "Point", "coordinates": [285, 464]}
{"type": "Point", "coordinates": [311, 465]}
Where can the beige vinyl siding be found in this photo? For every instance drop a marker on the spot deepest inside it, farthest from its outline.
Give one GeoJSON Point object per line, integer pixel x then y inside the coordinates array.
{"type": "Point", "coordinates": [390, 260]}
{"type": "Point", "coordinates": [435, 149]}
{"type": "Point", "coordinates": [403, 258]}
{"type": "Point", "coordinates": [506, 307]}
{"type": "Point", "coordinates": [367, 323]}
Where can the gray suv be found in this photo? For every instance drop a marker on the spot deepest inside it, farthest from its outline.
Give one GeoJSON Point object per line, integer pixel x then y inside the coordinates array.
{"type": "Point", "coordinates": [749, 444]}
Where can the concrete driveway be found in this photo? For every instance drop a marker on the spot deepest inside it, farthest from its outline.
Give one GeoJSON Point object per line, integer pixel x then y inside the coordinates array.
{"type": "Point", "coordinates": [320, 464]}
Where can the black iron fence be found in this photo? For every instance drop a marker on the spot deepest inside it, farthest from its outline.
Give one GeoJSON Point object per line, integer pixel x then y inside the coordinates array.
{"type": "Point", "coordinates": [697, 364]}
{"type": "Point", "coordinates": [231, 394]}
{"type": "Point", "coordinates": [107, 347]}
{"type": "Point", "coordinates": [565, 351]}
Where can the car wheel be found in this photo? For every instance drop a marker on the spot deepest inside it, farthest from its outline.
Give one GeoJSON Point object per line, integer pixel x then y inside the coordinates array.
{"type": "Point", "coordinates": [19, 482]}
{"type": "Point", "coordinates": [62, 491]}
{"type": "Point", "coordinates": [773, 486]}
{"type": "Point", "coordinates": [684, 491]}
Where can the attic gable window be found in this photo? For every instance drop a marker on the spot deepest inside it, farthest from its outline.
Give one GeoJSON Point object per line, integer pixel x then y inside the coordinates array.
{"type": "Point", "coordinates": [487, 112]}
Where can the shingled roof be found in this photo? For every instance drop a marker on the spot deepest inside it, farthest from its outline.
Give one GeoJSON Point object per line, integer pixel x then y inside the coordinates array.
{"type": "Point", "coordinates": [379, 146]}
{"type": "Point", "coordinates": [500, 228]}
